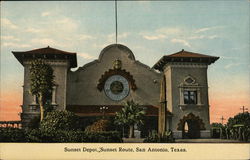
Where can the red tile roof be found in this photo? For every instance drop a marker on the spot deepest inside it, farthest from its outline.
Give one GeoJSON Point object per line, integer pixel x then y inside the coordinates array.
{"type": "Point", "coordinates": [49, 52]}
{"type": "Point", "coordinates": [185, 56]}
{"type": "Point", "coordinates": [184, 53]}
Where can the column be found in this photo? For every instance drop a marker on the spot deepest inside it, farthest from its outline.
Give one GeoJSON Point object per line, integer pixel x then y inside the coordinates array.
{"type": "Point", "coordinates": [54, 95]}
{"type": "Point", "coordinates": [181, 97]}
{"type": "Point", "coordinates": [198, 97]}
{"type": "Point", "coordinates": [34, 100]}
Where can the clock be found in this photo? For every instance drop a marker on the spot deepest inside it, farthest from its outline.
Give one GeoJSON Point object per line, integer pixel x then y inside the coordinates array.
{"type": "Point", "coordinates": [116, 87]}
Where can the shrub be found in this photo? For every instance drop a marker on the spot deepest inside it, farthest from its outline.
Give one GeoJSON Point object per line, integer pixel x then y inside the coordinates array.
{"type": "Point", "coordinates": [33, 135]}
{"type": "Point", "coordinates": [104, 137]}
{"type": "Point", "coordinates": [99, 126]}
{"type": "Point", "coordinates": [12, 135]}
{"type": "Point", "coordinates": [154, 137]}
{"type": "Point", "coordinates": [60, 120]}
{"type": "Point", "coordinates": [61, 136]}
{"type": "Point", "coordinates": [34, 123]}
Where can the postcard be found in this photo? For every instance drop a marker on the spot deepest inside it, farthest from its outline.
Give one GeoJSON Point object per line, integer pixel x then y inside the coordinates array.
{"type": "Point", "coordinates": [125, 80]}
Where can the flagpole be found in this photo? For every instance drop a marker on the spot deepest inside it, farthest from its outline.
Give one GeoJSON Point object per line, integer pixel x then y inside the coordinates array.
{"type": "Point", "coordinates": [116, 21]}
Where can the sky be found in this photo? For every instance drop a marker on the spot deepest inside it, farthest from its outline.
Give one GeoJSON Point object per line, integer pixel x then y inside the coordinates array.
{"type": "Point", "coordinates": [150, 29]}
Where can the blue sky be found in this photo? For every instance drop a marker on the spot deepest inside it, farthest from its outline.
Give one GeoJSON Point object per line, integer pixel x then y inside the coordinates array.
{"type": "Point", "coordinates": [150, 29]}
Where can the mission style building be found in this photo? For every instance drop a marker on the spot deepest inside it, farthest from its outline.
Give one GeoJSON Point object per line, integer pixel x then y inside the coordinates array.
{"type": "Point", "coordinates": [174, 92]}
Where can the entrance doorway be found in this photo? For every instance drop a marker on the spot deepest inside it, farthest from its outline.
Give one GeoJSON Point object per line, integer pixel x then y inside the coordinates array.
{"type": "Point", "coordinates": [191, 125]}
{"type": "Point", "coordinates": [191, 129]}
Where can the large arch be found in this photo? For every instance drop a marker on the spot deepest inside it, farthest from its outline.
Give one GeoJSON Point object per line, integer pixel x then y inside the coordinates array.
{"type": "Point", "coordinates": [191, 125]}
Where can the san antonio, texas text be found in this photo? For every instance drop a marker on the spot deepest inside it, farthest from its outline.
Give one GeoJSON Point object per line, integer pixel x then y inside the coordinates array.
{"type": "Point", "coordinates": [124, 149]}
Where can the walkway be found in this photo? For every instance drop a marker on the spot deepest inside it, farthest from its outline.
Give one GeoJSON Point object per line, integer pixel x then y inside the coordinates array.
{"type": "Point", "coordinates": [207, 141]}
{"type": "Point", "coordinates": [135, 140]}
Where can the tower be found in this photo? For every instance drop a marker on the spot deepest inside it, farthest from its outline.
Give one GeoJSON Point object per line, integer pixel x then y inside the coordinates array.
{"type": "Point", "coordinates": [60, 62]}
{"type": "Point", "coordinates": [186, 93]}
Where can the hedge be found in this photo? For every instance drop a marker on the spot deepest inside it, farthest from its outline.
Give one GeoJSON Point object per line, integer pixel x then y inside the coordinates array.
{"type": "Point", "coordinates": [59, 136]}
{"type": "Point", "coordinates": [12, 135]}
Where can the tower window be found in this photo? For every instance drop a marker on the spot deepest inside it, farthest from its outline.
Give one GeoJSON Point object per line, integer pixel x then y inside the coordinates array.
{"type": "Point", "coordinates": [190, 97]}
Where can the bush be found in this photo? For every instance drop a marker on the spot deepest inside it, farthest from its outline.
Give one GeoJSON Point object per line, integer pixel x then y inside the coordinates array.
{"type": "Point", "coordinates": [34, 123]}
{"type": "Point", "coordinates": [61, 136]}
{"type": "Point", "coordinates": [104, 137]}
{"type": "Point", "coordinates": [99, 126]}
{"type": "Point", "coordinates": [12, 135]}
{"type": "Point", "coordinates": [59, 120]}
{"type": "Point", "coordinates": [154, 137]}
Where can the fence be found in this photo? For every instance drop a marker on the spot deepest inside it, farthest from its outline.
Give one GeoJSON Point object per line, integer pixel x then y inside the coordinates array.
{"type": "Point", "coordinates": [12, 124]}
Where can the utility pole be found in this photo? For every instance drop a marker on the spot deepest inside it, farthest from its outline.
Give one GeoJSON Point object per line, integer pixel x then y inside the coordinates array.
{"type": "Point", "coordinates": [243, 109]}
{"type": "Point", "coordinates": [222, 118]}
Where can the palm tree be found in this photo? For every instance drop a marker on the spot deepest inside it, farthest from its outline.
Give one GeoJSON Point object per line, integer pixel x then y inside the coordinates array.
{"type": "Point", "coordinates": [131, 114]}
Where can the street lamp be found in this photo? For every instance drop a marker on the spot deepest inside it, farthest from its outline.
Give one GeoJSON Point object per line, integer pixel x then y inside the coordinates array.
{"type": "Point", "coordinates": [103, 109]}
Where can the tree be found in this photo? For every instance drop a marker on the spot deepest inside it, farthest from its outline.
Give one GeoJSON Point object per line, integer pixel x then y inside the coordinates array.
{"type": "Point", "coordinates": [130, 114]}
{"type": "Point", "coordinates": [41, 82]}
{"type": "Point", "coordinates": [241, 118]}
{"type": "Point", "coordinates": [219, 130]}
{"type": "Point", "coordinates": [239, 126]}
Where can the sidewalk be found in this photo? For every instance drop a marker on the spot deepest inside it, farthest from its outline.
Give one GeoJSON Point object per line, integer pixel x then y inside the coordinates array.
{"type": "Point", "coordinates": [136, 140]}
{"type": "Point", "coordinates": [133, 140]}
{"type": "Point", "coordinates": [207, 141]}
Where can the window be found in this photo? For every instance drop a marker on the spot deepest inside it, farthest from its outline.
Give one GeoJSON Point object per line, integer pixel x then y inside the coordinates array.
{"type": "Point", "coordinates": [189, 80]}
{"type": "Point", "coordinates": [190, 97]}
{"type": "Point", "coordinates": [190, 92]}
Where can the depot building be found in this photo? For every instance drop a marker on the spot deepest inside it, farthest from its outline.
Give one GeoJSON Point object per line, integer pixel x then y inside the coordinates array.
{"type": "Point", "coordinates": [173, 93]}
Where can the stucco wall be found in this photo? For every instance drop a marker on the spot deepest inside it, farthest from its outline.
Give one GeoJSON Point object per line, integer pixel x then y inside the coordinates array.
{"type": "Point", "coordinates": [27, 97]}
{"type": "Point", "coordinates": [82, 84]}
{"type": "Point", "coordinates": [178, 72]}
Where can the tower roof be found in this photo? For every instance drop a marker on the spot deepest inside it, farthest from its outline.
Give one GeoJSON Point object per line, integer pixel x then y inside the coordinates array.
{"type": "Point", "coordinates": [184, 56]}
{"type": "Point", "coordinates": [47, 52]}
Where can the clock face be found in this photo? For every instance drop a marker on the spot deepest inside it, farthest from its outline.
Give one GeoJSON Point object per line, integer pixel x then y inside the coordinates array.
{"type": "Point", "coordinates": [116, 87]}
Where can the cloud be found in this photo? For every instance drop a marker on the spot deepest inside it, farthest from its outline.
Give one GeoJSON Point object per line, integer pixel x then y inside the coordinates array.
{"type": "Point", "coordinates": [44, 41]}
{"type": "Point", "coordinates": [85, 56]}
{"type": "Point", "coordinates": [213, 37]}
{"type": "Point", "coordinates": [8, 24]}
{"type": "Point", "coordinates": [156, 37]}
{"type": "Point", "coordinates": [11, 38]}
{"type": "Point", "coordinates": [111, 37]}
{"type": "Point", "coordinates": [240, 47]}
{"type": "Point", "coordinates": [207, 29]}
{"type": "Point", "coordinates": [168, 31]}
{"type": "Point", "coordinates": [44, 14]}
{"type": "Point", "coordinates": [85, 37]}
{"type": "Point", "coordinates": [230, 58]}
{"type": "Point", "coordinates": [181, 41]}
{"type": "Point", "coordinates": [161, 33]}
{"type": "Point", "coordinates": [203, 37]}
{"type": "Point", "coordinates": [33, 30]}
{"type": "Point", "coordinates": [67, 24]}
{"type": "Point", "coordinates": [232, 65]}
{"type": "Point", "coordinates": [123, 35]}
{"type": "Point", "coordinates": [15, 45]}
{"type": "Point", "coordinates": [98, 46]}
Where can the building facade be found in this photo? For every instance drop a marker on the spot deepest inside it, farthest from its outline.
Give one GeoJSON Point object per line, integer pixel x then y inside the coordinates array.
{"type": "Point", "coordinates": [174, 92]}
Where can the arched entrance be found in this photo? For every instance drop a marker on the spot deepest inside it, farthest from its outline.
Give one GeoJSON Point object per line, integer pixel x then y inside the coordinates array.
{"type": "Point", "coordinates": [190, 126]}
